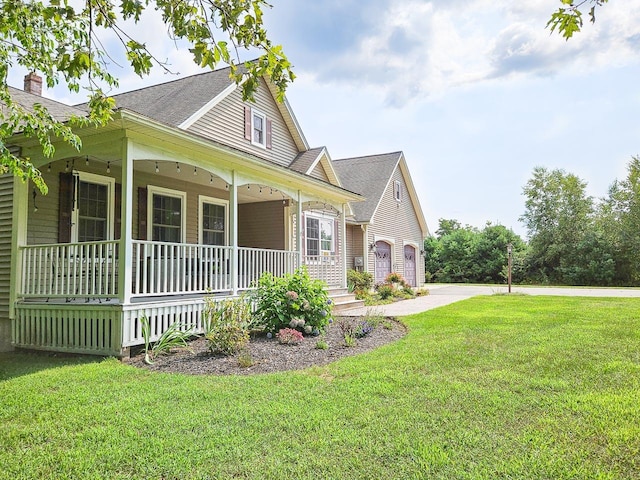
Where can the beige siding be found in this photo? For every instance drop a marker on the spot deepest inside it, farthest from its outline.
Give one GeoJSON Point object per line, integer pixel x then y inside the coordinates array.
{"type": "Point", "coordinates": [43, 224]}
{"type": "Point", "coordinates": [261, 225]}
{"type": "Point", "coordinates": [355, 236]}
{"type": "Point", "coordinates": [224, 123]}
{"type": "Point", "coordinates": [319, 172]}
{"type": "Point", "coordinates": [6, 208]}
{"type": "Point", "coordinates": [398, 222]}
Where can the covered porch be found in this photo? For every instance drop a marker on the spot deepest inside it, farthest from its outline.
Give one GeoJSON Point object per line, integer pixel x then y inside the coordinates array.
{"type": "Point", "coordinates": [143, 224]}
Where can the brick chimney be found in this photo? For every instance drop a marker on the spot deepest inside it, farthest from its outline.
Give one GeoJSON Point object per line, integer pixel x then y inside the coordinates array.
{"type": "Point", "coordinates": [33, 83]}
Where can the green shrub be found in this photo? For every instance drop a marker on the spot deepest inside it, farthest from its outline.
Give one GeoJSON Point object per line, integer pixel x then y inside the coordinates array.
{"type": "Point", "coordinates": [171, 338]}
{"type": "Point", "coordinates": [384, 290]}
{"type": "Point", "coordinates": [394, 277]}
{"type": "Point", "coordinates": [227, 324]}
{"type": "Point", "coordinates": [360, 282]}
{"type": "Point", "coordinates": [281, 300]}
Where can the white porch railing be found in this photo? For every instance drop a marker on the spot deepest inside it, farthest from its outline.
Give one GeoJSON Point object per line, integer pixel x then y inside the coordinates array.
{"type": "Point", "coordinates": [70, 270]}
{"type": "Point", "coordinates": [253, 262]}
{"type": "Point", "coordinates": [179, 268]}
{"type": "Point", "coordinates": [325, 267]}
{"type": "Point", "coordinates": [90, 270]}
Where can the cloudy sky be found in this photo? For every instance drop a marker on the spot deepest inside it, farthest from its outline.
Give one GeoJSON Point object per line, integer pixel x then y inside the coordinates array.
{"type": "Point", "coordinates": [475, 92]}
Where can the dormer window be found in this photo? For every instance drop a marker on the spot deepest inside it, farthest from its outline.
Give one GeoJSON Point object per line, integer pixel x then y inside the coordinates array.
{"type": "Point", "coordinates": [257, 128]}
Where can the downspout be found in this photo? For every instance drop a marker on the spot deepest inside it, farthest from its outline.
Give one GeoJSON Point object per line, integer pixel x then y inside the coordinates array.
{"type": "Point", "coordinates": [299, 228]}
{"type": "Point", "coordinates": [343, 226]}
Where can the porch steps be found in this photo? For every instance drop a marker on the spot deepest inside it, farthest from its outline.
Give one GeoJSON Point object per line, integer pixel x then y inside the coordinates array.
{"type": "Point", "coordinates": [343, 300]}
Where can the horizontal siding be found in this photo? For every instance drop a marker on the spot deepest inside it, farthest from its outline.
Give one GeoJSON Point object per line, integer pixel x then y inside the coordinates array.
{"type": "Point", "coordinates": [397, 221]}
{"type": "Point", "coordinates": [354, 244]}
{"type": "Point", "coordinates": [177, 183]}
{"type": "Point", "coordinates": [224, 123]}
{"type": "Point", "coordinates": [6, 209]}
{"type": "Point", "coordinates": [319, 172]}
{"type": "Point", "coordinates": [43, 224]}
{"type": "Point", "coordinates": [261, 225]}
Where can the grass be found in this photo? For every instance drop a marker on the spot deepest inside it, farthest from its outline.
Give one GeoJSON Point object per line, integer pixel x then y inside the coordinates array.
{"type": "Point", "coordinates": [492, 387]}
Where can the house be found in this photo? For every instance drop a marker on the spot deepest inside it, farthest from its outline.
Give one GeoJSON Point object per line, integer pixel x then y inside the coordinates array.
{"type": "Point", "coordinates": [388, 229]}
{"type": "Point", "coordinates": [189, 191]}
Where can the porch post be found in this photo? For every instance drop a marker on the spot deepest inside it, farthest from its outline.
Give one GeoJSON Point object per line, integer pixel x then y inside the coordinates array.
{"type": "Point", "coordinates": [233, 234]}
{"type": "Point", "coordinates": [299, 229]}
{"type": "Point", "coordinates": [125, 259]}
{"type": "Point", "coordinates": [18, 238]}
{"type": "Point", "coordinates": [343, 228]}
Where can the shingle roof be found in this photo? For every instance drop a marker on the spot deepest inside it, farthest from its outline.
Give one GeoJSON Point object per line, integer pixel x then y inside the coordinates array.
{"type": "Point", "coordinates": [304, 160]}
{"type": "Point", "coordinates": [367, 176]}
{"type": "Point", "coordinates": [59, 111]}
{"type": "Point", "coordinates": [174, 102]}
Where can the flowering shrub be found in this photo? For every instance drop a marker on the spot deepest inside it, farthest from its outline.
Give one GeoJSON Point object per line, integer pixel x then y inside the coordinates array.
{"type": "Point", "coordinates": [384, 291]}
{"type": "Point", "coordinates": [289, 336]}
{"type": "Point", "coordinates": [363, 329]}
{"type": "Point", "coordinates": [295, 301]}
{"type": "Point", "coordinates": [226, 324]}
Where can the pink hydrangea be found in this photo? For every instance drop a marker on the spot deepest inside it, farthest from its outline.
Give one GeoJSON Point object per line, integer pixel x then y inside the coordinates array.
{"type": "Point", "coordinates": [291, 295]}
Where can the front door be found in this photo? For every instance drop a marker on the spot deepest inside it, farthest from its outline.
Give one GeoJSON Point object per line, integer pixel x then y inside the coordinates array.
{"type": "Point", "coordinates": [383, 261]}
{"type": "Point", "coordinates": [410, 265]}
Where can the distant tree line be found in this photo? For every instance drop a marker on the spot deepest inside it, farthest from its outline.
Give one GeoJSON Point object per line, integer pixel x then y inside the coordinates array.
{"type": "Point", "coordinates": [573, 239]}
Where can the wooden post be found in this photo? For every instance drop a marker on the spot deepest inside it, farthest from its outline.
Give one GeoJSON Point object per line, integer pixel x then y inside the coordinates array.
{"type": "Point", "coordinates": [233, 237]}
{"type": "Point", "coordinates": [125, 260]}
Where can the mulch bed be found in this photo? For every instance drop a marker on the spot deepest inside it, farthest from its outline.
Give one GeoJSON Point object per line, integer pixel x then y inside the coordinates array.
{"type": "Point", "coordinates": [268, 355]}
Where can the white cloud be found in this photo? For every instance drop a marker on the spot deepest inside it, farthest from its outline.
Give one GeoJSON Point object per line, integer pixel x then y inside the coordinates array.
{"type": "Point", "coordinates": [424, 48]}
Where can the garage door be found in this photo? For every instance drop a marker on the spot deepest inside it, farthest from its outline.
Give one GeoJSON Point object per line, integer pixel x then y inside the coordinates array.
{"type": "Point", "coordinates": [383, 260]}
{"type": "Point", "coordinates": [410, 265]}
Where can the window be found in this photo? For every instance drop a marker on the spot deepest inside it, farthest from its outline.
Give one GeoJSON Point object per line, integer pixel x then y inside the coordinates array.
{"type": "Point", "coordinates": [258, 128]}
{"type": "Point", "coordinates": [213, 221]}
{"type": "Point", "coordinates": [93, 217]}
{"type": "Point", "coordinates": [397, 191]}
{"type": "Point", "coordinates": [167, 211]}
{"type": "Point", "coordinates": [319, 236]}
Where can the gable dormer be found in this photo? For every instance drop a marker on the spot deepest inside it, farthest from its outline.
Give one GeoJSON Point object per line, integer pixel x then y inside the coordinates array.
{"type": "Point", "coordinates": [259, 127]}
{"type": "Point", "coordinates": [316, 163]}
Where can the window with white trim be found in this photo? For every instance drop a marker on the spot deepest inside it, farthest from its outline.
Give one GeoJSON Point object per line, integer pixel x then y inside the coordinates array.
{"type": "Point", "coordinates": [258, 128]}
{"type": "Point", "coordinates": [93, 214]}
{"type": "Point", "coordinates": [167, 212]}
{"type": "Point", "coordinates": [319, 235]}
{"type": "Point", "coordinates": [397, 191]}
{"type": "Point", "coordinates": [213, 221]}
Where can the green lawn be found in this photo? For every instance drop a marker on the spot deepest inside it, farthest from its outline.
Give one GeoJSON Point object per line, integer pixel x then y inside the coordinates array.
{"type": "Point", "coordinates": [492, 387]}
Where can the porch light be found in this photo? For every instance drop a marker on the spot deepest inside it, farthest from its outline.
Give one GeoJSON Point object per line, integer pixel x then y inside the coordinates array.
{"type": "Point", "coordinates": [177, 167]}
{"type": "Point", "coordinates": [35, 207]}
{"type": "Point", "coordinates": [211, 178]}
{"type": "Point", "coordinates": [372, 247]}
{"type": "Point", "coordinates": [195, 171]}
{"type": "Point", "coordinates": [108, 167]}
{"type": "Point", "coordinates": [49, 168]}
{"type": "Point", "coordinates": [157, 168]}
{"type": "Point", "coordinates": [66, 168]}
{"type": "Point", "coordinates": [86, 160]}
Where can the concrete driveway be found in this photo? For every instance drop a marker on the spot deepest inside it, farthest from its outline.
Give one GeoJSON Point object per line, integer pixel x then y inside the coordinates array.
{"type": "Point", "coordinates": [444, 294]}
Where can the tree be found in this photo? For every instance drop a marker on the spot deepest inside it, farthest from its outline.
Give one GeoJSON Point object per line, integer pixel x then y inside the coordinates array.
{"type": "Point", "coordinates": [619, 216]}
{"type": "Point", "coordinates": [466, 254]}
{"type": "Point", "coordinates": [557, 215]}
{"type": "Point", "coordinates": [567, 20]}
{"type": "Point", "coordinates": [63, 42]}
